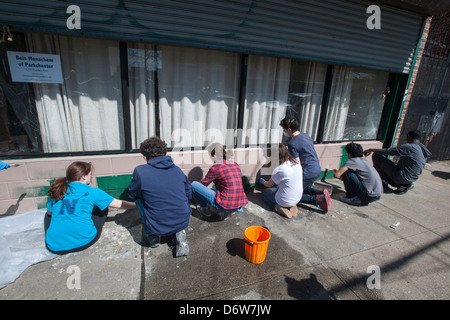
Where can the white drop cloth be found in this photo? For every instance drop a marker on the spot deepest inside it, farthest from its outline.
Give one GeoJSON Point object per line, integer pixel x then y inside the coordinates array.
{"type": "Point", "coordinates": [22, 243]}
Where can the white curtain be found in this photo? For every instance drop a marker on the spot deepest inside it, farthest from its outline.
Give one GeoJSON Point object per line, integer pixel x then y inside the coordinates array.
{"type": "Point", "coordinates": [313, 93]}
{"type": "Point", "coordinates": [198, 96]}
{"type": "Point", "coordinates": [266, 99]}
{"type": "Point", "coordinates": [338, 104]}
{"type": "Point", "coordinates": [143, 61]}
{"type": "Point", "coordinates": [85, 112]}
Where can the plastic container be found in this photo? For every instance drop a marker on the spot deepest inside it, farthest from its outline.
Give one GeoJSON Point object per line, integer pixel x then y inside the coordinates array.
{"type": "Point", "coordinates": [256, 243]}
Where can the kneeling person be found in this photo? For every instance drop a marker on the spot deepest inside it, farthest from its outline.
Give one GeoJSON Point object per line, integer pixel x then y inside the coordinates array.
{"type": "Point", "coordinates": [284, 189]}
{"type": "Point", "coordinates": [361, 181]}
{"type": "Point", "coordinates": [229, 195]}
{"type": "Point", "coordinates": [76, 211]}
{"type": "Point", "coordinates": [161, 192]}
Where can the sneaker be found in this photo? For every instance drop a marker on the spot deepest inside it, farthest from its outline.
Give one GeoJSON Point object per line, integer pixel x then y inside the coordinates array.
{"type": "Point", "coordinates": [204, 212]}
{"type": "Point", "coordinates": [324, 201]}
{"type": "Point", "coordinates": [386, 188]}
{"type": "Point", "coordinates": [402, 189]}
{"type": "Point", "coordinates": [181, 245]}
{"type": "Point", "coordinates": [354, 201]}
{"type": "Point", "coordinates": [286, 212]}
{"type": "Point", "coordinates": [152, 240]}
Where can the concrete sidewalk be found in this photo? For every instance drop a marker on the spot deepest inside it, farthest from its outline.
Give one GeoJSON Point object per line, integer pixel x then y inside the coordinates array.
{"type": "Point", "coordinates": [312, 256]}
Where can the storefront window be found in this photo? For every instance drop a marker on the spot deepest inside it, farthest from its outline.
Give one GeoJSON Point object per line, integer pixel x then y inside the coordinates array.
{"type": "Point", "coordinates": [187, 96]}
{"type": "Point", "coordinates": [84, 113]}
{"type": "Point", "coordinates": [279, 87]}
{"type": "Point", "coordinates": [306, 91]}
{"type": "Point", "coordinates": [19, 124]}
{"type": "Point", "coordinates": [198, 96]}
{"type": "Point", "coordinates": [356, 104]}
{"type": "Point", "coordinates": [143, 63]}
{"type": "Point", "coordinates": [266, 98]}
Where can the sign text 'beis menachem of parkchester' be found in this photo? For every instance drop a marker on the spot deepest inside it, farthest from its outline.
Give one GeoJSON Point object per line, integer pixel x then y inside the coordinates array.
{"type": "Point", "coordinates": [35, 67]}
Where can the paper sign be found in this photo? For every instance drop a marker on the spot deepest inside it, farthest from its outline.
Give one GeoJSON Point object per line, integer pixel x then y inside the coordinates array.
{"type": "Point", "coordinates": [35, 67]}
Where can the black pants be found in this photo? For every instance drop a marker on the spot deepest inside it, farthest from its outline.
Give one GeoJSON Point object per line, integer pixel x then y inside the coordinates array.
{"type": "Point", "coordinates": [354, 187]}
{"type": "Point", "coordinates": [388, 171]}
{"type": "Point", "coordinates": [98, 217]}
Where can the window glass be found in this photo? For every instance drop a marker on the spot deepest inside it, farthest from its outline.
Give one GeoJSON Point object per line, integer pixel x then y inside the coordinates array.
{"type": "Point", "coordinates": [143, 62]}
{"type": "Point", "coordinates": [198, 96]}
{"type": "Point", "coordinates": [356, 104]}
{"type": "Point", "coordinates": [84, 113]}
{"type": "Point", "coordinates": [277, 88]}
{"type": "Point", "coordinates": [187, 96]}
{"type": "Point", "coordinates": [19, 125]}
{"type": "Point", "coordinates": [305, 94]}
{"type": "Point", "coordinates": [266, 98]}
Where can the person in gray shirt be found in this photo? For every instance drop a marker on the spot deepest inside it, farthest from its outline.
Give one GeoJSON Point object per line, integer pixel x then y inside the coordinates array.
{"type": "Point", "coordinates": [413, 156]}
{"type": "Point", "coordinates": [361, 181]}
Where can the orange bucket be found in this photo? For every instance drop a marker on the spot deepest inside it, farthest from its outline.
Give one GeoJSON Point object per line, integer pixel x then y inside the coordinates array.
{"type": "Point", "coordinates": [256, 243]}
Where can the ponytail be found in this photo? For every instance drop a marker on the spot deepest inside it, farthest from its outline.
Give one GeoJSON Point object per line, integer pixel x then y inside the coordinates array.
{"type": "Point", "coordinates": [74, 172]}
{"type": "Point", "coordinates": [58, 189]}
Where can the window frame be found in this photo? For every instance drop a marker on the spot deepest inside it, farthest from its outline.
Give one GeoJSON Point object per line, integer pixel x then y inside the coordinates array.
{"type": "Point", "coordinates": [390, 107]}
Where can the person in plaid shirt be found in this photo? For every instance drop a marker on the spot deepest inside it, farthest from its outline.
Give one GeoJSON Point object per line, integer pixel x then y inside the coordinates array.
{"type": "Point", "coordinates": [229, 195]}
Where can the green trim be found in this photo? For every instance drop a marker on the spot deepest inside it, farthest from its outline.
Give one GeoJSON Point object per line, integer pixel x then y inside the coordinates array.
{"type": "Point", "coordinates": [397, 83]}
{"type": "Point", "coordinates": [115, 186]}
{"type": "Point", "coordinates": [408, 82]}
{"type": "Point", "coordinates": [329, 174]}
{"type": "Point", "coordinates": [344, 157]}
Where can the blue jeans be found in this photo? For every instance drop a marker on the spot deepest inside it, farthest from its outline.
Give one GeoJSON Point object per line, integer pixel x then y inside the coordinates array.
{"type": "Point", "coordinates": [205, 197]}
{"type": "Point", "coordinates": [355, 188]}
{"type": "Point", "coordinates": [268, 195]}
{"type": "Point", "coordinates": [309, 194]}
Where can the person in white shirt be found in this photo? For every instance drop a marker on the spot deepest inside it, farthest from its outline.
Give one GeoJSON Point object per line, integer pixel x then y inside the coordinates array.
{"type": "Point", "coordinates": [284, 189]}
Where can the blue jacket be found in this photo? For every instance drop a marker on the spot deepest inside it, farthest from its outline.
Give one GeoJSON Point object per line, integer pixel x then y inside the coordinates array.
{"type": "Point", "coordinates": [165, 191]}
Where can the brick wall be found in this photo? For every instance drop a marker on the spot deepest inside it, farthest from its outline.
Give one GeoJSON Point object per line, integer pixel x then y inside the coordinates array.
{"type": "Point", "coordinates": [410, 88]}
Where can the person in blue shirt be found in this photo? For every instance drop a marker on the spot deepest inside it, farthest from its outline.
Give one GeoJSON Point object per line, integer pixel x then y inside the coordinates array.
{"type": "Point", "coordinates": [162, 192]}
{"type": "Point", "coordinates": [4, 165]}
{"type": "Point", "coordinates": [301, 148]}
{"type": "Point", "coordinates": [76, 211]}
